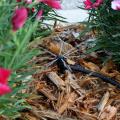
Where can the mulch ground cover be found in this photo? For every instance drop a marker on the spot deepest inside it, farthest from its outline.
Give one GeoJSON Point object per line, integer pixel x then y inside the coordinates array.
{"type": "Point", "coordinates": [69, 95]}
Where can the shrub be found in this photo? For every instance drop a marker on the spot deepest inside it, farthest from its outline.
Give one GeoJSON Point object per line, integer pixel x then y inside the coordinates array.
{"type": "Point", "coordinates": [104, 18]}
{"type": "Point", "coordinates": [17, 24]}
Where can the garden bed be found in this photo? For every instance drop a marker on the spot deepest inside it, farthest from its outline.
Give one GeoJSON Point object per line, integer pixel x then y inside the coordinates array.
{"type": "Point", "coordinates": [57, 95]}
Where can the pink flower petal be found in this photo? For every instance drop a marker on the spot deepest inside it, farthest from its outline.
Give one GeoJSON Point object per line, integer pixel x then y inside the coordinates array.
{"type": "Point", "coordinates": [4, 89]}
{"type": "Point", "coordinates": [52, 3]}
{"type": "Point", "coordinates": [4, 75]}
{"type": "Point", "coordinates": [97, 3]}
{"type": "Point", "coordinates": [89, 4]}
{"type": "Point", "coordinates": [19, 18]}
{"type": "Point", "coordinates": [28, 1]}
{"type": "Point", "coordinates": [39, 14]}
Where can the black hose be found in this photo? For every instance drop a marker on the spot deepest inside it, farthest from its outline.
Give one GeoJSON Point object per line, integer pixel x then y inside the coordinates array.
{"type": "Point", "coordinates": [61, 63]}
{"type": "Point", "coordinates": [79, 68]}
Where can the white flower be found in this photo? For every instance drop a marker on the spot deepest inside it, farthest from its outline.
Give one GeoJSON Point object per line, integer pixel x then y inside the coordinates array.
{"type": "Point", "coordinates": [115, 4]}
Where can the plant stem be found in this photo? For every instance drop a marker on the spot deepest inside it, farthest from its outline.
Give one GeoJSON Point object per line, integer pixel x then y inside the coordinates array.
{"type": "Point", "coordinates": [26, 38]}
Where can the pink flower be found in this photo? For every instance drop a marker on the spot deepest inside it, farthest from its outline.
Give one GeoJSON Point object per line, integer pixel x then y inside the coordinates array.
{"type": "Point", "coordinates": [89, 4]}
{"type": "Point", "coordinates": [28, 1]}
{"type": "Point", "coordinates": [4, 88]}
{"type": "Point", "coordinates": [115, 4]}
{"type": "Point", "coordinates": [39, 14]}
{"type": "Point", "coordinates": [52, 3]}
{"type": "Point", "coordinates": [97, 3]}
{"type": "Point", "coordinates": [19, 18]}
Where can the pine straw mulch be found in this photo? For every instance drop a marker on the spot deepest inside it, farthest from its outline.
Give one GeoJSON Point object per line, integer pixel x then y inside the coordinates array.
{"type": "Point", "coordinates": [71, 96]}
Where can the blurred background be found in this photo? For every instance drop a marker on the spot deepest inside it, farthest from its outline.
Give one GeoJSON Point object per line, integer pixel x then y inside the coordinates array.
{"type": "Point", "coordinates": [71, 11]}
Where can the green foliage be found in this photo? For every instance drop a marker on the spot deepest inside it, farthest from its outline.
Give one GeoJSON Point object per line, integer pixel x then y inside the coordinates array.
{"type": "Point", "coordinates": [106, 22]}
{"type": "Point", "coordinates": [15, 55]}
{"type": "Point", "coordinates": [49, 14]}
